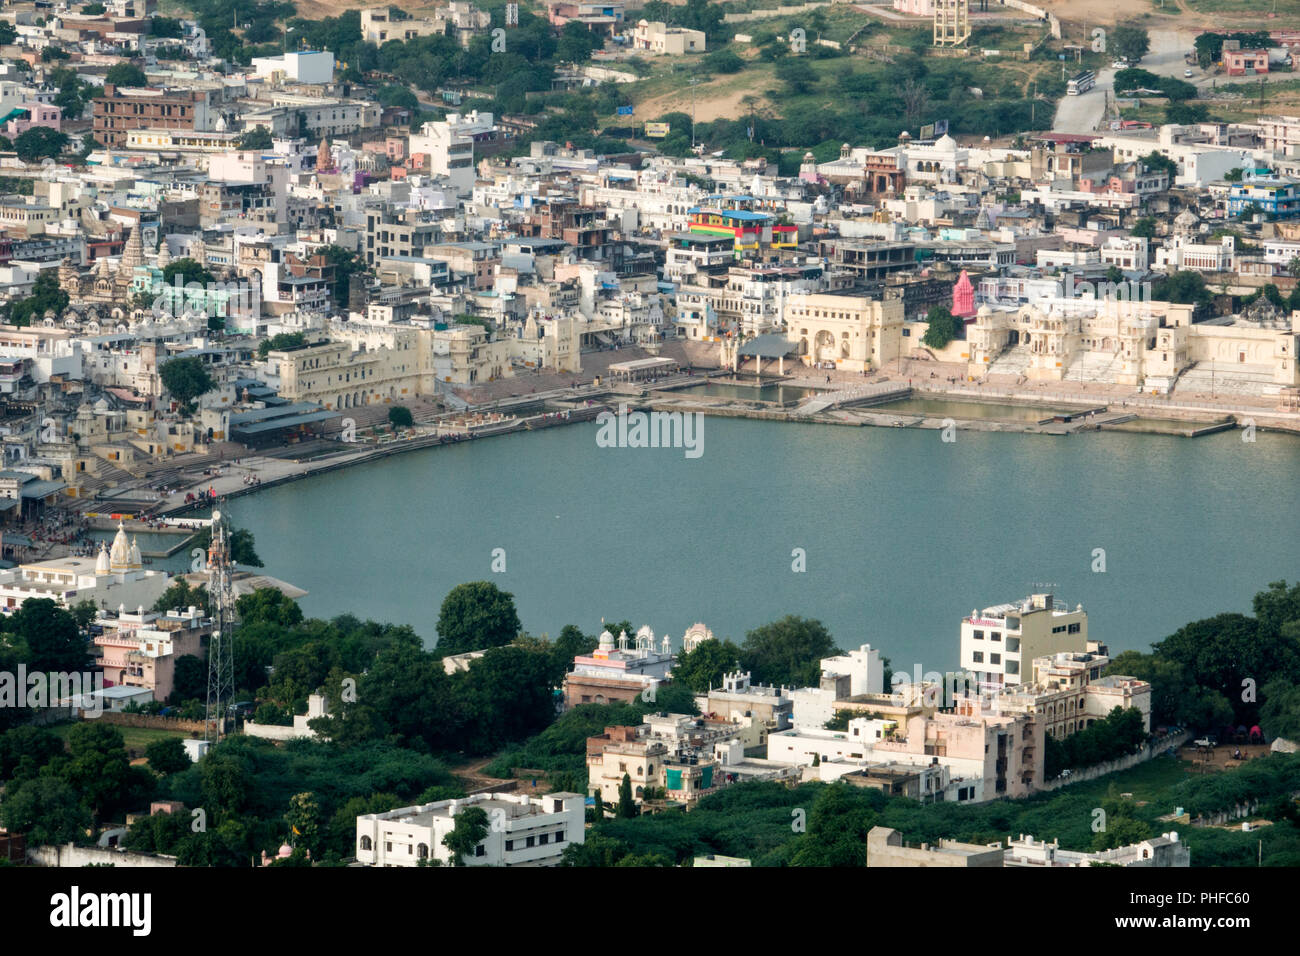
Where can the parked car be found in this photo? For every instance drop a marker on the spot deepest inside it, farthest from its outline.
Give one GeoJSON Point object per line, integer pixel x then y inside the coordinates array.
{"type": "Point", "coordinates": [1208, 741]}
{"type": "Point", "coordinates": [1119, 65]}
{"type": "Point", "coordinates": [1187, 74]}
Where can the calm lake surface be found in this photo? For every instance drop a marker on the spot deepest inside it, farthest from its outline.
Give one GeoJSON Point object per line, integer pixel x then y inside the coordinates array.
{"type": "Point", "coordinates": [904, 534]}
{"type": "Point", "coordinates": [748, 393]}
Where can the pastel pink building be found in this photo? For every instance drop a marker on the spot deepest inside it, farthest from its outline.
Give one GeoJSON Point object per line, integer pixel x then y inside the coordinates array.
{"type": "Point", "coordinates": [141, 649]}
{"type": "Point", "coordinates": [23, 117]}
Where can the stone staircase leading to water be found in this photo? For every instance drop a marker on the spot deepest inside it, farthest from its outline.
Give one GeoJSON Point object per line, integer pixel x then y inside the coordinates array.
{"type": "Point", "coordinates": [1013, 361]}
{"type": "Point", "coordinates": [1232, 381]}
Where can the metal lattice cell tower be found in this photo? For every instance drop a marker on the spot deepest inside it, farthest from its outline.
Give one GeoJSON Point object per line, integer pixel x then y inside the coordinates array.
{"type": "Point", "coordinates": [221, 645]}
{"type": "Point", "coordinates": [951, 22]}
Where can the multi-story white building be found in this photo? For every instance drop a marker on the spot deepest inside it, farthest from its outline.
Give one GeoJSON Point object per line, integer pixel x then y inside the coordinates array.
{"type": "Point", "coordinates": [522, 831]}
{"type": "Point", "coordinates": [1179, 253]}
{"type": "Point", "coordinates": [1281, 133]}
{"type": "Point", "coordinates": [449, 144]}
{"type": "Point", "coordinates": [999, 643]}
{"type": "Point", "coordinates": [1126, 252]}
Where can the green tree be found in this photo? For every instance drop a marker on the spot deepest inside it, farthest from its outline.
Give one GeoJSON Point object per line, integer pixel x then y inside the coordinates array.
{"type": "Point", "coordinates": [626, 805]}
{"type": "Point", "coordinates": [399, 416]}
{"type": "Point", "coordinates": [84, 613]}
{"type": "Point", "coordinates": [47, 809]}
{"type": "Point", "coordinates": [46, 296]}
{"type": "Point", "coordinates": [943, 328]}
{"type": "Point", "coordinates": [189, 270]}
{"type": "Point", "coordinates": [166, 28]}
{"type": "Point", "coordinates": [186, 379]}
{"type": "Point", "coordinates": [284, 341]}
{"type": "Point", "coordinates": [471, 826]}
{"type": "Point", "coordinates": [98, 767]}
{"type": "Point", "coordinates": [25, 750]}
{"type": "Point", "coordinates": [189, 679]}
{"type": "Point", "coordinates": [167, 756]}
{"type": "Point", "coordinates": [304, 821]}
{"type": "Point", "coordinates": [1130, 42]}
{"type": "Point", "coordinates": [1184, 286]}
{"type": "Point", "coordinates": [797, 74]}
{"type": "Point", "coordinates": [259, 137]}
{"type": "Point", "coordinates": [722, 61]}
{"type": "Point", "coordinates": [787, 652]}
{"type": "Point", "coordinates": [1155, 160]}
{"type": "Point", "coordinates": [1279, 711]}
{"type": "Point", "coordinates": [180, 595]}
{"type": "Point", "coordinates": [48, 636]}
{"type": "Point", "coordinates": [125, 74]}
{"type": "Point", "coordinates": [1209, 47]}
{"type": "Point", "coordinates": [702, 668]}
{"type": "Point", "coordinates": [401, 96]}
{"type": "Point", "coordinates": [1121, 831]}
{"type": "Point", "coordinates": [1144, 228]}
{"type": "Point", "coordinates": [476, 616]}
{"type": "Point", "coordinates": [270, 606]}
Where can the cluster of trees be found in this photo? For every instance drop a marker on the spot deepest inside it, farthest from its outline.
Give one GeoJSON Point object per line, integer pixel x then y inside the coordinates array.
{"type": "Point", "coordinates": [786, 652]}
{"type": "Point", "coordinates": [1222, 670]}
{"type": "Point", "coordinates": [866, 106]}
{"type": "Point", "coordinates": [256, 796]}
{"type": "Point", "coordinates": [257, 22]}
{"type": "Point", "coordinates": [1185, 286]}
{"type": "Point", "coordinates": [46, 296]}
{"type": "Point", "coordinates": [1286, 303]}
{"type": "Point", "coordinates": [819, 824]}
{"type": "Point", "coordinates": [42, 636]}
{"type": "Point", "coordinates": [186, 378]}
{"type": "Point", "coordinates": [281, 342]}
{"type": "Point", "coordinates": [944, 327]}
{"type": "Point", "coordinates": [1116, 735]}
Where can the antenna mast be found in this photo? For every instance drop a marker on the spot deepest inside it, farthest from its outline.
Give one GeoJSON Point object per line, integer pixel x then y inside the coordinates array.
{"type": "Point", "coordinates": [221, 645]}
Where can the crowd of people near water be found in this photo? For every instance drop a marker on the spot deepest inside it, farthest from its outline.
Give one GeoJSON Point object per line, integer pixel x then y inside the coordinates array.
{"type": "Point", "coordinates": [66, 528]}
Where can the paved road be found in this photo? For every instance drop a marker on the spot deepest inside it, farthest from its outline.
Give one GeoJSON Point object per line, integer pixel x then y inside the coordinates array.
{"type": "Point", "coordinates": [1084, 114]}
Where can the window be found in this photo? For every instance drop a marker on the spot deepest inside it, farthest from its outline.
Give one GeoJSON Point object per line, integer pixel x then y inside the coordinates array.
{"type": "Point", "coordinates": [978, 635]}
{"type": "Point", "coordinates": [510, 845]}
{"type": "Point", "coordinates": [480, 850]}
{"type": "Point", "coordinates": [995, 658]}
{"type": "Point", "coordinates": [530, 841]}
{"type": "Point", "coordinates": [1074, 628]}
{"type": "Point", "coordinates": [544, 839]}
{"type": "Point", "coordinates": [995, 635]}
{"type": "Point", "coordinates": [978, 657]}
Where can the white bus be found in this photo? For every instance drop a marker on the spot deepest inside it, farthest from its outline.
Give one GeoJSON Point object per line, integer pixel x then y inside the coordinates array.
{"type": "Point", "coordinates": [1081, 83]}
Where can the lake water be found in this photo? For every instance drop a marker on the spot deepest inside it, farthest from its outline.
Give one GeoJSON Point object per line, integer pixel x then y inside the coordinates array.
{"type": "Point", "coordinates": [748, 393]}
{"type": "Point", "coordinates": [904, 534]}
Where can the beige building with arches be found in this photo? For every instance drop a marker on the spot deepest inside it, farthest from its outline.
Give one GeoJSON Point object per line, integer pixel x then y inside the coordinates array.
{"type": "Point", "coordinates": [854, 331]}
